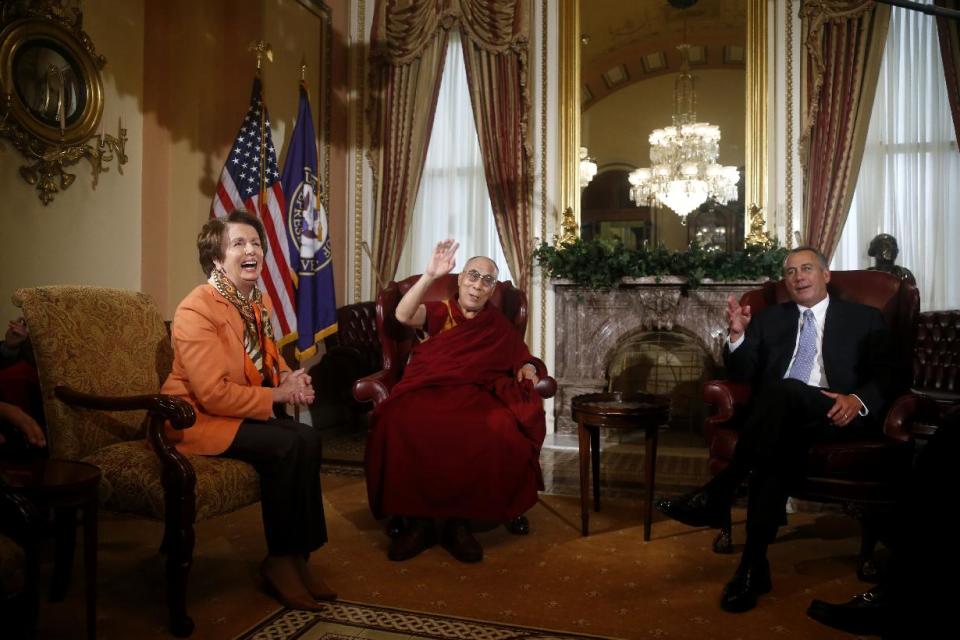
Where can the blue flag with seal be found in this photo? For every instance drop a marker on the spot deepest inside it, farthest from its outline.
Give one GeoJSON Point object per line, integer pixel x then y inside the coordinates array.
{"type": "Point", "coordinates": [308, 231]}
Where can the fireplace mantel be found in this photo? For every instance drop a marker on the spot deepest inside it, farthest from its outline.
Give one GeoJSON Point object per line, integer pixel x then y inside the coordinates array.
{"type": "Point", "coordinates": [591, 323]}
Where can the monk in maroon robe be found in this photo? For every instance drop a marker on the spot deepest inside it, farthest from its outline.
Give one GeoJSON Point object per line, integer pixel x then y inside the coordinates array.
{"type": "Point", "coordinates": [459, 437]}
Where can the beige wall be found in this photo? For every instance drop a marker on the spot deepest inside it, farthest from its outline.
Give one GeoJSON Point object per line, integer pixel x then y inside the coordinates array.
{"type": "Point", "coordinates": [84, 236]}
{"type": "Point", "coordinates": [179, 74]}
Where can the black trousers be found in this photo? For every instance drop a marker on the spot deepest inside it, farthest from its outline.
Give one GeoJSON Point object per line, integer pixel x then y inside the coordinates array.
{"type": "Point", "coordinates": [786, 419]}
{"type": "Point", "coordinates": [286, 455]}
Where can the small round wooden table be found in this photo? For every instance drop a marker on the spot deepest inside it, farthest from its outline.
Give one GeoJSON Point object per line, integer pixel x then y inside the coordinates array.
{"type": "Point", "coordinates": [628, 411]}
{"type": "Point", "coordinates": [64, 486]}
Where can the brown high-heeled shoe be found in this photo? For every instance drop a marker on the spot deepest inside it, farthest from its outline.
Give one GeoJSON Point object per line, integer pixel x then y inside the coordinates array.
{"type": "Point", "coordinates": [281, 579]}
{"type": "Point", "coordinates": [314, 583]}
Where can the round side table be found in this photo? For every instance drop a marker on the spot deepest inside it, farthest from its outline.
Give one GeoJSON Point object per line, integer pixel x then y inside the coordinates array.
{"type": "Point", "coordinates": [64, 486]}
{"type": "Point", "coordinates": [627, 411]}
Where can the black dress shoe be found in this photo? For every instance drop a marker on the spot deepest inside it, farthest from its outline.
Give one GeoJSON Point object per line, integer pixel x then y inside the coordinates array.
{"type": "Point", "coordinates": [412, 541]}
{"type": "Point", "coordinates": [519, 526]}
{"type": "Point", "coordinates": [750, 580]}
{"type": "Point", "coordinates": [457, 539]}
{"type": "Point", "coordinates": [395, 526]}
{"type": "Point", "coordinates": [865, 614]}
{"type": "Point", "coordinates": [696, 510]}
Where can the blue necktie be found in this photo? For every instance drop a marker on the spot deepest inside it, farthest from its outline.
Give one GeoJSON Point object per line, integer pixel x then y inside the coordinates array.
{"type": "Point", "coordinates": [806, 349]}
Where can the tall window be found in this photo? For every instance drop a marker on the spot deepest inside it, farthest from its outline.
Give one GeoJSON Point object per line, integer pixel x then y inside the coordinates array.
{"type": "Point", "coordinates": [453, 201]}
{"type": "Point", "coordinates": [909, 184]}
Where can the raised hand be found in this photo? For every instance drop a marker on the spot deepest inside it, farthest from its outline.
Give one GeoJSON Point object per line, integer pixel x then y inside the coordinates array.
{"type": "Point", "coordinates": [443, 259]}
{"type": "Point", "coordinates": [737, 318]}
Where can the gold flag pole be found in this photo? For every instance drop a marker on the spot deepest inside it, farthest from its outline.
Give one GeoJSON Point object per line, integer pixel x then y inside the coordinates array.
{"type": "Point", "coordinates": [263, 50]}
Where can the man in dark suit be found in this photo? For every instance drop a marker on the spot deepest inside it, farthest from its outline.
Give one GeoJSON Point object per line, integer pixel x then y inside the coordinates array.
{"type": "Point", "coordinates": [822, 370]}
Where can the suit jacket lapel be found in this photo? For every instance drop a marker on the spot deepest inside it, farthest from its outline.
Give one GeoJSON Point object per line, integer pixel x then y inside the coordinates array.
{"type": "Point", "coordinates": [787, 341]}
{"type": "Point", "coordinates": [832, 332]}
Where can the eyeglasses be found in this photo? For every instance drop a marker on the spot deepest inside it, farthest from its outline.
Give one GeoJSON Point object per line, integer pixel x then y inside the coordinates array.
{"type": "Point", "coordinates": [488, 281]}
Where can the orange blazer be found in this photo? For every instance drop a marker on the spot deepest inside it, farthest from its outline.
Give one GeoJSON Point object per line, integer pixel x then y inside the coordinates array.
{"type": "Point", "coordinates": [212, 371]}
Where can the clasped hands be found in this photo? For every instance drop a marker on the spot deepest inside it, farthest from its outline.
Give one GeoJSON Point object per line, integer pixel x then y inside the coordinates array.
{"type": "Point", "coordinates": [295, 388]}
{"type": "Point", "coordinates": [845, 407]}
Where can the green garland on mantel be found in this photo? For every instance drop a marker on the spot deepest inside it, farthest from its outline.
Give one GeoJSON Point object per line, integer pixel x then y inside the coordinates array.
{"type": "Point", "coordinates": [601, 264]}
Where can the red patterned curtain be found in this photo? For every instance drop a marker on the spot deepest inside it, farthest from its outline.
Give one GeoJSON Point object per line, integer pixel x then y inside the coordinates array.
{"type": "Point", "coordinates": [843, 47]}
{"type": "Point", "coordinates": [408, 46]}
{"type": "Point", "coordinates": [409, 41]}
{"type": "Point", "coordinates": [949, 32]}
{"type": "Point", "coordinates": [495, 36]}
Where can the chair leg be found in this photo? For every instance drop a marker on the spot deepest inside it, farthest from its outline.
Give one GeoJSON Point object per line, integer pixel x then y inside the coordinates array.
{"type": "Point", "coordinates": [179, 560]}
{"type": "Point", "coordinates": [723, 543]}
{"type": "Point", "coordinates": [178, 541]}
{"type": "Point", "coordinates": [867, 569]}
{"type": "Point", "coordinates": [65, 533]}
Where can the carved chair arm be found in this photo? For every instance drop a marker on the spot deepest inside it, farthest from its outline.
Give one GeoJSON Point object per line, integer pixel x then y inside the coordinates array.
{"type": "Point", "coordinates": [160, 408]}
{"type": "Point", "coordinates": [374, 388]}
{"type": "Point", "coordinates": [904, 411]}
{"type": "Point", "coordinates": [724, 396]}
{"type": "Point", "coordinates": [546, 386]}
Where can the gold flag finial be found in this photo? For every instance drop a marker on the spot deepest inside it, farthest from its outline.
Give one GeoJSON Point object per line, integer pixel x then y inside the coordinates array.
{"type": "Point", "coordinates": [263, 50]}
{"type": "Point", "coordinates": [303, 69]}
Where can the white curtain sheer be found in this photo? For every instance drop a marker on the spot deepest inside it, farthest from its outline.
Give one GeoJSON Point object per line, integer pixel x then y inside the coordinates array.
{"type": "Point", "coordinates": [453, 201]}
{"type": "Point", "coordinates": [909, 184]}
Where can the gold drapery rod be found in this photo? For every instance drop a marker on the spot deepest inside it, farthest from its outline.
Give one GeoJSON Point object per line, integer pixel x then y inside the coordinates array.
{"type": "Point", "coordinates": [373, 265]}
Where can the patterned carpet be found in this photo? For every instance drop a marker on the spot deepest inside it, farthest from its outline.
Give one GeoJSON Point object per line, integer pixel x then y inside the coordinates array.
{"type": "Point", "coordinates": [344, 620]}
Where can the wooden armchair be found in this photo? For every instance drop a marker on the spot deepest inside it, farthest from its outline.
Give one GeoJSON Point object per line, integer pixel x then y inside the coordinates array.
{"type": "Point", "coordinates": [397, 339]}
{"type": "Point", "coordinates": [20, 525]}
{"type": "Point", "coordinates": [102, 355]}
{"type": "Point", "coordinates": [862, 475]}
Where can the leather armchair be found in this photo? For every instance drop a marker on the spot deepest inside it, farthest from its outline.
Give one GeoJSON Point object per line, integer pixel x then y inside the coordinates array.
{"type": "Point", "coordinates": [101, 356]}
{"type": "Point", "coordinates": [397, 339]}
{"type": "Point", "coordinates": [350, 353]}
{"type": "Point", "coordinates": [935, 387]}
{"type": "Point", "coordinates": [863, 476]}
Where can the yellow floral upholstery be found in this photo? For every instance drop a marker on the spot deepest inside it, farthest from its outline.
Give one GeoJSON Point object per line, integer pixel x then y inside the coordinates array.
{"type": "Point", "coordinates": [131, 481]}
{"type": "Point", "coordinates": [114, 343]}
{"type": "Point", "coordinates": [102, 341]}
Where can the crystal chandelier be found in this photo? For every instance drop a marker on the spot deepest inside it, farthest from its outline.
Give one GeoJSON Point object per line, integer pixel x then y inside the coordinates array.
{"type": "Point", "coordinates": [685, 172]}
{"type": "Point", "coordinates": [588, 168]}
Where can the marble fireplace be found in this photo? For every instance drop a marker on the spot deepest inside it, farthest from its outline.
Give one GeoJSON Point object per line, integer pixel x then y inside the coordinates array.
{"type": "Point", "coordinates": [649, 334]}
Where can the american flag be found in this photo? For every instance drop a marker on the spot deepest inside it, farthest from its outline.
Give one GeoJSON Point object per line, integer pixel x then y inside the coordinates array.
{"type": "Point", "coordinates": [239, 188]}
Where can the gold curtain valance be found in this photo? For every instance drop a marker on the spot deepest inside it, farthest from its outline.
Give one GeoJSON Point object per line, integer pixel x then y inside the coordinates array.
{"type": "Point", "coordinates": [816, 14]}
{"type": "Point", "coordinates": [402, 29]}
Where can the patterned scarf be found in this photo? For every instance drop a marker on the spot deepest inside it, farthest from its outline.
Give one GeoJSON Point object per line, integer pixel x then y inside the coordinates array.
{"type": "Point", "coordinates": [258, 330]}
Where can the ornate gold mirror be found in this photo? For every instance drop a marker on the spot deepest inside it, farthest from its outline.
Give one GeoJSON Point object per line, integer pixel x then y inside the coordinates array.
{"type": "Point", "coordinates": [51, 95]}
{"type": "Point", "coordinates": [646, 51]}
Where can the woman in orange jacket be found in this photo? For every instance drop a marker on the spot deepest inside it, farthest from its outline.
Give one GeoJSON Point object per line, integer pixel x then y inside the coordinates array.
{"type": "Point", "coordinates": [227, 366]}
